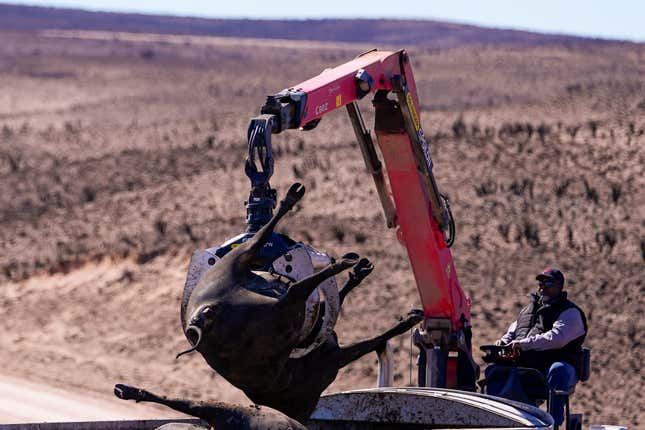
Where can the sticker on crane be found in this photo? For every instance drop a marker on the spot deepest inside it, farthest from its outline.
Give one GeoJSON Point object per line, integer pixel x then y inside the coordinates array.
{"type": "Point", "coordinates": [333, 89]}
{"type": "Point", "coordinates": [426, 149]}
{"type": "Point", "coordinates": [339, 100]}
{"type": "Point", "coordinates": [321, 108]}
{"type": "Point", "coordinates": [420, 135]}
{"type": "Point", "coordinates": [413, 111]}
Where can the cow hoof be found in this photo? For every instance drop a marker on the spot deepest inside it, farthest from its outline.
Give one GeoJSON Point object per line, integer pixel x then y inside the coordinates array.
{"type": "Point", "coordinates": [362, 269]}
{"type": "Point", "coordinates": [126, 392]}
{"type": "Point", "coordinates": [295, 193]}
{"type": "Point", "coordinates": [348, 260]}
{"type": "Point", "coordinates": [414, 317]}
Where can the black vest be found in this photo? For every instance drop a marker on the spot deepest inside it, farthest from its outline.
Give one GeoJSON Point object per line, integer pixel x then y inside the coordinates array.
{"type": "Point", "coordinates": [538, 318]}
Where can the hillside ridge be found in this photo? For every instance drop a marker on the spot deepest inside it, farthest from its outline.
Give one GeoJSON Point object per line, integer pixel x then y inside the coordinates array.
{"type": "Point", "coordinates": [429, 33]}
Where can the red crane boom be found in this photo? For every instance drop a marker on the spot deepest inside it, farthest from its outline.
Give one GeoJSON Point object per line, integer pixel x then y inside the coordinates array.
{"type": "Point", "coordinates": [411, 202]}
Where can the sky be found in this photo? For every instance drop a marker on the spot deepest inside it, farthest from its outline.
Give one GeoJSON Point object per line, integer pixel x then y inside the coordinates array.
{"type": "Point", "coordinates": [612, 19]}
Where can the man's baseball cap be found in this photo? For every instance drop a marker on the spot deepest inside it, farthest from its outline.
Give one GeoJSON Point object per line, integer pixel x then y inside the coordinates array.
{"type": "Point", "coordinates": [551, 274]}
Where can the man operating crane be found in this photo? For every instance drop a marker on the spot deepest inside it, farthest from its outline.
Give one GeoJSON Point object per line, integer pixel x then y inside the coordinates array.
{"type": "Point", "coordinates": [547, 335]}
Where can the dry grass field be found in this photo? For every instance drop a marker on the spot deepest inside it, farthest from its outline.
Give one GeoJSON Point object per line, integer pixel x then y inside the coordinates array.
{"type": "Point", "coordinates": [121, 155]}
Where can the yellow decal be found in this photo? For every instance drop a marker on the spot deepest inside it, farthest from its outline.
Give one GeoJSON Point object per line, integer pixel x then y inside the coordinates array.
{"type": "Point", "coordinates": [448, 270]}
{"type": "Point", "coordinates": [235, 245]}
{"type": "Point", "coordinates": [339, 100]}
{"type": "Point", "coordinates": [413, 111]}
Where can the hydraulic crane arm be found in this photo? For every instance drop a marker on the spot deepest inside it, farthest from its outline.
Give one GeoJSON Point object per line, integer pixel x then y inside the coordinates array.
{"type": "Point", "coordinates": [412, 203]}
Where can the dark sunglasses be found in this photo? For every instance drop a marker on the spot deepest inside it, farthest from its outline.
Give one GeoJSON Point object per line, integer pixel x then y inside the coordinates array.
{"type": "Point", "coordinates": [546, 283]}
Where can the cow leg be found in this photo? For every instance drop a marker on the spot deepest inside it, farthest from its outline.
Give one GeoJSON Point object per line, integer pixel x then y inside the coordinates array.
{"type": "Point", "coordinates": [347, 354]}
{"type": "Point", "coordinates": [363, 268]}
{"type": "Point", "coordinates": [195, 409]}
{"type": "Point", "coordinates": [299, 291]}
{"type": "Point", "coordinates": [253, 245]}
{"type": "Point", "coordinates": [219, 415]}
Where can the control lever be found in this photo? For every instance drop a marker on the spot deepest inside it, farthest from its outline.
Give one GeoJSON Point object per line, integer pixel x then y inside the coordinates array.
{"type": "Point", "coordinates": [499, 354]}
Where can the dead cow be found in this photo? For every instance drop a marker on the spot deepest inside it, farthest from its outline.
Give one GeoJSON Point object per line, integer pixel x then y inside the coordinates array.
{"type": "Point", "coordinates": [220, 416]}
{"type": "Point", "coordinates": [247, 337]}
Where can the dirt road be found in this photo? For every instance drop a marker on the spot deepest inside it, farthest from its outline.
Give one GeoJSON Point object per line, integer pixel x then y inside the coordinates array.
{"type": "Point", "coordinates": [27, 402]}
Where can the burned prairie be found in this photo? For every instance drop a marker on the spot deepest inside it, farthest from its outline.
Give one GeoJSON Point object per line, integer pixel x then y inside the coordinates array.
{"type": "Point", "coordinates": [120, 157]}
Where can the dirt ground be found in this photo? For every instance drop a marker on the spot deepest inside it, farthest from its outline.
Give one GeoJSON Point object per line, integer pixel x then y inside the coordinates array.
{"type": "Point", "coordinates": [118, 157]}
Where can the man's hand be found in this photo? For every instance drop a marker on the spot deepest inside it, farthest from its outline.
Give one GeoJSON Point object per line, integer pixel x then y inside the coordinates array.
{"type": "Point", "coordinates": [517, 349]}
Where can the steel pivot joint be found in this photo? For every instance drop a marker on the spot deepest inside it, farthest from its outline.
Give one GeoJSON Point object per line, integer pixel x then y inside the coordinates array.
{"type": "Point", "coordinates": [288, 107]}
{"type": "Point", "coordinates": [259, 168]}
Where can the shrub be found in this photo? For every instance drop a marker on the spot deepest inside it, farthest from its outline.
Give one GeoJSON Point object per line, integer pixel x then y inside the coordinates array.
{"type": "Point", "coordinates": [531, 234]}
{"type": "Point", "coordinates": [615, 192]}
{"type": "Point", "coordinates": [593, 126]}
{"type": "Point", "coordinates": [89, 194]}
{"type": "Point", "coordinates": [7, 131]}
{"type": "Point", "coordinates": [459, 128]}
{"type": "Point", "coordinates": [147, 54]}
{"type": "Point", "coordinates": [339, 233]}
{"type": "Point", "coordinates": [561, 188]}
{"type": "Point", "coordinates": [486, 188]}
{"type": "Point", "coordinates": [591, 193]}
{"type": "Point", "coordinates": [543, 130]}
{"type": "Point", "coordinates": [161, 226]}
{"type": "Point", "coordinates": [504, 230]}
{"type": "Point", "coordinates": [573, 130]}
{"type": "Point", "coordinates": [607, 237]}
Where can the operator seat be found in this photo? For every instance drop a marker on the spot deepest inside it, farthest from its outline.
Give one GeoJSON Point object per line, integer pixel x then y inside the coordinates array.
{"type": "Point", "coordinates": [529, 386]}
